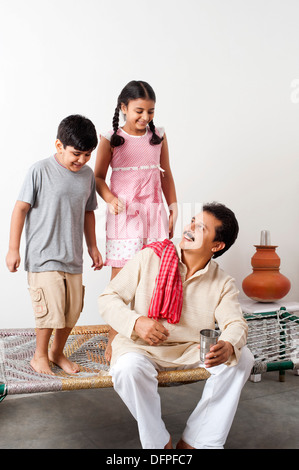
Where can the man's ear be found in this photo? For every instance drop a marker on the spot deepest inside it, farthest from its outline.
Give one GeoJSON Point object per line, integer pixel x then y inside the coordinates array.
{"type": "Point", "coordinates": [218, 246]}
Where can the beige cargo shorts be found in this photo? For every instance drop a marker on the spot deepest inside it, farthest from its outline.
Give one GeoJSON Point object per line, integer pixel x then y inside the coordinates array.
{"type": "Point", "coordinates": [57, 298]}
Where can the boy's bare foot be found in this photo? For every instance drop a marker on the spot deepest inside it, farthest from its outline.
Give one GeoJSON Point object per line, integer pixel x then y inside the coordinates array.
{"type": "Point", "coordinates": [183, 445]}
{"type": "Point", "coordinates": [62, 361]}
{"type": "Point", "coordinates": [41, 365]}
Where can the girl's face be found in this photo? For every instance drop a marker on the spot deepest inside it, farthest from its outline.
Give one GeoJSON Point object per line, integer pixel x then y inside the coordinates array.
{"type": "Point", "coordinates": [138, 114]}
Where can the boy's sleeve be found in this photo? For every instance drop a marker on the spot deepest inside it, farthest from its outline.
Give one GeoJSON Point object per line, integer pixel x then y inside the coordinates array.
{"type": "Point", "coordinates": [92, 202]}
{"type": "Point", "coordinates": [30, 187]}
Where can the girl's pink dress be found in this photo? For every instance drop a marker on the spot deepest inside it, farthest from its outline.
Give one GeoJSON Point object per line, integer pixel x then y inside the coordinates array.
{"type": "Point", "coordinates": [136, 180]}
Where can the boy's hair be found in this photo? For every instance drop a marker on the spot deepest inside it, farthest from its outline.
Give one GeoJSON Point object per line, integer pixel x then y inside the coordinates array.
{"type": "Point", "coordinates": [78, 132]}
{"type": "Point", "coordinates": [133, 91]}
{"type": "Point", "coordinates": [229, 229]}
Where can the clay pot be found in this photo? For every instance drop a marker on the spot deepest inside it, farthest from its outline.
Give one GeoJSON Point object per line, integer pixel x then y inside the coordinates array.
{"type": "Point", "coordinates": [266, 283]}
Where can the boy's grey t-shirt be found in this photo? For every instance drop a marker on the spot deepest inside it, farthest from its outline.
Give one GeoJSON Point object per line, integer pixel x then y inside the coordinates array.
{"type": "Point", "coordinates": [55, 221]}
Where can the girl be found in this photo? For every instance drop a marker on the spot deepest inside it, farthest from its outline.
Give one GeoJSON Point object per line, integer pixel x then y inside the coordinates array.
{"type": "Point", "coordinates": [138, 156]}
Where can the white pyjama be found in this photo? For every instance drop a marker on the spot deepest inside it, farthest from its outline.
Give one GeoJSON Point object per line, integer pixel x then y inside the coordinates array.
{"type": "Point", "coordinates": [135, 380]}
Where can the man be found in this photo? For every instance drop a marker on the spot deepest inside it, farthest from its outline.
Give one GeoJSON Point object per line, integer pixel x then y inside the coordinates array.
{"type": "Point", "coordinates": [145, 345]}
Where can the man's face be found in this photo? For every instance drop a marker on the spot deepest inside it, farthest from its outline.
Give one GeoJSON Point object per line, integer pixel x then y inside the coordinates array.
{"type": "Point", "coordinates": [199, 235]}
{"type": "Point", "coordinates": [71, 158]}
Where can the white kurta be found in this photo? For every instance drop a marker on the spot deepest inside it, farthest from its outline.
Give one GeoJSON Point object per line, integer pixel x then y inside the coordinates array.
{"type": "Point", "coordinates": [209, 295]}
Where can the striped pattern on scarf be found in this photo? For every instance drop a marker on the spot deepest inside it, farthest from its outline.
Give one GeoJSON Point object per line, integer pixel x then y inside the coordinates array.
{"type": "Point", "coordinates": [167, 298]}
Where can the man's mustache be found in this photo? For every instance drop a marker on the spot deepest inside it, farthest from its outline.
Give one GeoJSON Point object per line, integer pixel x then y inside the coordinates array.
{"type": "Point", "coordinates": [189, 235]}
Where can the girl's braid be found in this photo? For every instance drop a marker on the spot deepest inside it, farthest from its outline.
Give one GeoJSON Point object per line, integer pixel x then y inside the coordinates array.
{"type": "Point", "coordinates": [116, 140]}
{"type": "Point", "coordinates": [155, 140]}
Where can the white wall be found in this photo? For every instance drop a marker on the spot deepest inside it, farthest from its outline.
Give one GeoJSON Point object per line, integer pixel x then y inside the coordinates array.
{"type": "Point", "coordinates": [226, 76]}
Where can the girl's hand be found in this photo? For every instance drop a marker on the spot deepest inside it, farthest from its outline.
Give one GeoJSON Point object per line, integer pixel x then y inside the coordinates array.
{"type": "Point", "coordinates": [115, 206]}
{"type": "Point", "coordinates": [171, 225]}
{"type": "Point", "coordinates": [173, 215]}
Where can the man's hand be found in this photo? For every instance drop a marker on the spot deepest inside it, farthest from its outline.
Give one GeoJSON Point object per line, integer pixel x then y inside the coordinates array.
{"type": "Point", "coordinates": [150, 331]}
{"type": "Point", "coordinates": [219, 354]}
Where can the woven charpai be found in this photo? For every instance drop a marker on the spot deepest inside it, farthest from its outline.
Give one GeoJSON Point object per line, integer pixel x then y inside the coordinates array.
{"type": "Point", "coordinates": [86, 346]}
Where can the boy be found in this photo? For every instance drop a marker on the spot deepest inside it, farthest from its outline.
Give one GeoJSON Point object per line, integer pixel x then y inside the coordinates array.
{"type": "Point", "coordinates": [57, 200]}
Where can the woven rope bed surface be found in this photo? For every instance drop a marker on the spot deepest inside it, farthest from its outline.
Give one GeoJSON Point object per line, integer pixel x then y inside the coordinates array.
{"type": "Point", "coordinates": [273, 338]}
{"type": "Point", "coordinates": [86, 346]}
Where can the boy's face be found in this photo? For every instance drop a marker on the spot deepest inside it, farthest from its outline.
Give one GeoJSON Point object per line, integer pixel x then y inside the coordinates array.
{"type": "Point", "coordinates": [71, 158]}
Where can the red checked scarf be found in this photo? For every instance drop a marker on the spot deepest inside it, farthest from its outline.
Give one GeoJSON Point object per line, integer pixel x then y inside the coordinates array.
{"type": "Point", "coordinates": [167, 298]}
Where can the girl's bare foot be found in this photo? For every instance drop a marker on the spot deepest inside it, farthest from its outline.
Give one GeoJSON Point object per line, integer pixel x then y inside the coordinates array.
{"type": "Point", "coordinates": [41, 365]}
{"type": "Point", "coordinates": [108, 351]}
{"type": "Point", "coordinates": [62, 361]}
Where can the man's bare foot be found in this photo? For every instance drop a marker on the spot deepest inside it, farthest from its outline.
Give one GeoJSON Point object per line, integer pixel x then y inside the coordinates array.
{"type": "Point", "coordinates": [168, 445]}
{"type": "Point", "coordinates": [41, 365]}
{"type": "Point", "coordinates": [183, 445]}
{"type": "Point", "coordinates": [62, 361]}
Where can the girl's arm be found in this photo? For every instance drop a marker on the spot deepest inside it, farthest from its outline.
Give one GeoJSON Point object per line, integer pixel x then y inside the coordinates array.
{"type": "Point", "coordinates": [18, 217]}
{"type": "Point", "coordinates": [168, 186]}
{"type": "Point", "coordinates": [104, 155]}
